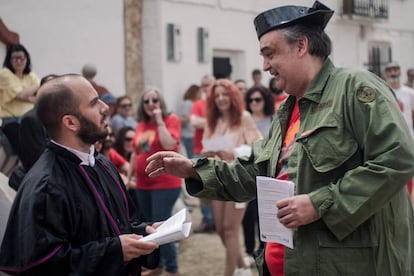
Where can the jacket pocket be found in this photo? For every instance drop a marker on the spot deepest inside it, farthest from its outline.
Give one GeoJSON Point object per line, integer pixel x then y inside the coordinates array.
{"type": "Point", "coordinates": [328, 145]}
{"type": "Point", "coordinates": [354, 255]}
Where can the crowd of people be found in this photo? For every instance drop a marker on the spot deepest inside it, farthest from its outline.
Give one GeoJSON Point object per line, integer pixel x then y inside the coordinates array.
{"type": "Point", "coordinates": [94, 178]}
{"type": "Point", "coordinates": [129, 141]}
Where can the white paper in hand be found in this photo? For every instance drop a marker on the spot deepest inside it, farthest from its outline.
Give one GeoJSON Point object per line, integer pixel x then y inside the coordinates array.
{"type": "Point", "coordinates": [269, 191]}
{"type": "Point", "coordinates": [173, 229]}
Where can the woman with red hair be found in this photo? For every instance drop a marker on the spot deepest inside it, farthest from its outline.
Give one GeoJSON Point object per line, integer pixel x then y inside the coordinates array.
{"type": "Point", "coordinates": [229, 123]}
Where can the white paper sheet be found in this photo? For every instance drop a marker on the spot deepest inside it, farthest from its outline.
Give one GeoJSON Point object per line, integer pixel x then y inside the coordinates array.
{"type": "Point", "coordinates": [217, 143]}
{"type": "Point", "coordinates": [269, 191]}
{"type": "Point", "coordinates": [173, 229]}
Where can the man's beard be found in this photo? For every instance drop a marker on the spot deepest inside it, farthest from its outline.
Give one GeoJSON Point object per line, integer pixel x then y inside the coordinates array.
{"type": "Point", "coordinates": [89, 132]}
{"type": "Point", "coordinates": [393, 79]}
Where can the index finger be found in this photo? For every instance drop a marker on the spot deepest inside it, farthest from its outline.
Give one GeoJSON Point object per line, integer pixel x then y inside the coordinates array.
{"type": "Point", "coordinates": [282, 203]}
{"type": "Point", "coordinates": [157, 155]}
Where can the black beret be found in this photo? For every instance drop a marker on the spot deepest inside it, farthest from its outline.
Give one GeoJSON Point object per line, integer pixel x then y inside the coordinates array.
{"type": "Point", "coordinates": [278, 18]}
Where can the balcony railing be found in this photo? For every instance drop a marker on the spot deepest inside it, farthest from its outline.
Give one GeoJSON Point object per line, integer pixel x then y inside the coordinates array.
{"type": "Point", "coordinates": [367, 8]}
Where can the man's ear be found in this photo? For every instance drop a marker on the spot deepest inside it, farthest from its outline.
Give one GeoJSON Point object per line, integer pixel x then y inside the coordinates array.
{"type": "Point", "coordinates": [302, 45]}
{"type": "Point", "coordinates": [70, 122]}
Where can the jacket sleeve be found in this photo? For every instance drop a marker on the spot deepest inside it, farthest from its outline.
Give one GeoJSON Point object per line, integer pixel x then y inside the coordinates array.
{"type": "Point", "coordinates": [220, 180]}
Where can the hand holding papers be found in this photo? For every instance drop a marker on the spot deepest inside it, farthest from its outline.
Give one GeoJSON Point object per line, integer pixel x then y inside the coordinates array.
{"type": "Point", "coordinates": [269, 191]}
{"type": "Point", "coordinates": [173, 229]}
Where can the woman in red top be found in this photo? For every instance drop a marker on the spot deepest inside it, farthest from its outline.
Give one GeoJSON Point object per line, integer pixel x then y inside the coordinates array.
{"type": "Point", "coordinates": [157, 130]}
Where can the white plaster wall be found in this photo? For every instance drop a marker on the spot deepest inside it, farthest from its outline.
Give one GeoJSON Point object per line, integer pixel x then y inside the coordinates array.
{"type": "Point", "coordinates": [153, 50]}
{"type": "Point", "coordinates": [401, 15]}
{"type": "Point", "coordinates": [61, 36]}
{"type": "Point", "coordinates": [232, 33]}
{"type": "Point", "coordinates": [228, 31]}
{"type": "Point", "coordinates": [346, 45]}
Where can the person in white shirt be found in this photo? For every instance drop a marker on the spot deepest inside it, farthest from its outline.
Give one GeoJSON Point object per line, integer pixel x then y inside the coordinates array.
{"type": "Point", "coordinates": [404, 94]}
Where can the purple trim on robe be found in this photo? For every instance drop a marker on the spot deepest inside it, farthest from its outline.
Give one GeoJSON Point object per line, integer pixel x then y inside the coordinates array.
{"type": "Point", "coordinates": [31, 265]}
{"type": "Point", "coordinates": [101, 202]}
{"type": "Point", "coordinates": [119, 186]}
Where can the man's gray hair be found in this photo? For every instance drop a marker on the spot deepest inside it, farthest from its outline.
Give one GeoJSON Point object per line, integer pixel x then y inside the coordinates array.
{"type": "Point", "coordinates": [320, 44]}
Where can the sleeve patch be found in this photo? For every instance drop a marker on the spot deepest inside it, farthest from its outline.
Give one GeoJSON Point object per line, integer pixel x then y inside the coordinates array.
{"type": "Point", "coordinates": [366, 94]}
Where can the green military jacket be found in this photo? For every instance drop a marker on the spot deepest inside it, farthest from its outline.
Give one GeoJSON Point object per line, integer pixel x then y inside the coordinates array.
{"type": "Point", "coordinates": [353, 157]}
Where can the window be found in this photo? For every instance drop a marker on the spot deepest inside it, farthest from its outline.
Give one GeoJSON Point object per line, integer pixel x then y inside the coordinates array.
{"type": "Point", "coordinates": [379, 55]}
{"type": "Point", "coordinates": [366, 8]}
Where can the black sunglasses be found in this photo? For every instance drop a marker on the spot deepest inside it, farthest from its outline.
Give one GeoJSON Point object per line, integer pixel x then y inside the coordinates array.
{"type": "Point", "coordinates": [154, 101]}
{"type": "Point", "coordinates": [128, 139]}
{"type": "Point", "coordinates": [257, 100]}
{"type": "Point", "coordinates": [125, 105]}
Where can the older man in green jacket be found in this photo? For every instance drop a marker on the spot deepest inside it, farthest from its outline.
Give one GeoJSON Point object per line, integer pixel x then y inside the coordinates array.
{"type": "Point", "coordinates": [350, 159]}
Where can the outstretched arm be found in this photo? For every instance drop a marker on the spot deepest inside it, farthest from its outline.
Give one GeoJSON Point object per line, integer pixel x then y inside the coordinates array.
{"type": "Point", "coordinates": [170, 162]}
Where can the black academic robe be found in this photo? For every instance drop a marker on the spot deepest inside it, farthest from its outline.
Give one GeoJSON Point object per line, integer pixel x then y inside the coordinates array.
{"type": "Point", "coordinates": [66, 219]}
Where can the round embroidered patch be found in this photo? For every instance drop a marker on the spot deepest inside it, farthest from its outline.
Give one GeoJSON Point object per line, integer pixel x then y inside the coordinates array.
{"type": "Point", "coordinates": [366, 94]}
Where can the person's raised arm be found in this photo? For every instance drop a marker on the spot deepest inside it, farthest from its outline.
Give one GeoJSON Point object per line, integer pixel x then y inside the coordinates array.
{"type": "Point", "coordinates": [167, 140]}
{"type": "Point", "coordinates": [197, 121]}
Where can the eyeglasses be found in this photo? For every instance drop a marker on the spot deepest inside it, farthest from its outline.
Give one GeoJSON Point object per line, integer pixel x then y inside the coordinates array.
{"type": "Point", "coordinates": [111, 134]}
{"type": "Point", "coordinates": [18, 58]}
{"type": "Point", "coordinates": [125, 105]}
{"type": "Point", "coordinates": [128, 139]}
{"type": "Point", "coordinates": [154, 101]}
{"type": "Point", "coordinates": [257, 100]}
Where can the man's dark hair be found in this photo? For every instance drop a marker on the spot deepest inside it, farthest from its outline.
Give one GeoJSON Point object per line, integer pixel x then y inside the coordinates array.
{"type": "Point", "coordinates": [273, 89]}
{"type": "Point", "coordinates": [53, 104]}
{"type": "Point", "coordinates": [120, 140]}
{"type": "Point", "coordinates": [256, 72]}
{"type": "Point", "coordinates": [320, 44]}
{"type": "Point", "coordinates": [17, 48]}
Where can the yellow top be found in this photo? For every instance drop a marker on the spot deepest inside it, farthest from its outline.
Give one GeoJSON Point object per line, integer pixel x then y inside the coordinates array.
{"type": "Point", "coordinates": [10, 86]}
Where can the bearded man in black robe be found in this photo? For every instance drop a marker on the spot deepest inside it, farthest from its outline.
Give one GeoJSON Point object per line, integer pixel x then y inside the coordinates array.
{"type": "Point", "coordinates": [72, 214]}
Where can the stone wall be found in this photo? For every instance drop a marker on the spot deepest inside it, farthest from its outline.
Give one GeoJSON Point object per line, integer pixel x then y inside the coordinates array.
{"type": "Point", "coordinates": [133, 49]}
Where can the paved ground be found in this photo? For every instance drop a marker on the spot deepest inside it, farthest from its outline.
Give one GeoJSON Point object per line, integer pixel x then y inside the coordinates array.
{"type": "Point", "coordinates": [200, 254]}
